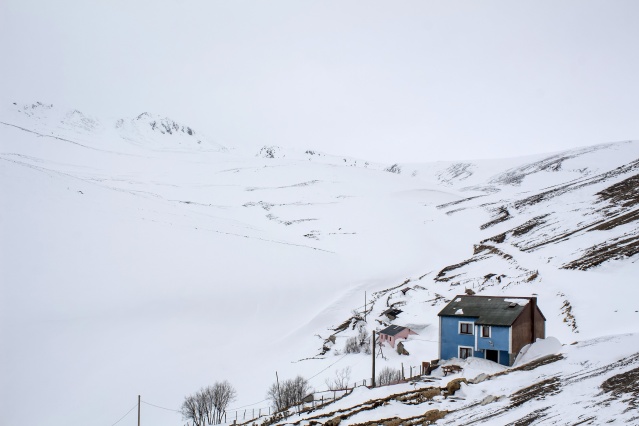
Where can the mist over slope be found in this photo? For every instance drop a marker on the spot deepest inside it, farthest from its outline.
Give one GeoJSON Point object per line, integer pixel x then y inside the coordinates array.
{"type": "Point", "coordinates": [141, 257]}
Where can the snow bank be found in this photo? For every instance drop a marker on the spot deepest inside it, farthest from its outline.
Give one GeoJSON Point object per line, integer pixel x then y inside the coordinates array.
{"type": "Point", "coordinates": [541, 348]}
{"type": "Point", "coordinates": [471, 367]}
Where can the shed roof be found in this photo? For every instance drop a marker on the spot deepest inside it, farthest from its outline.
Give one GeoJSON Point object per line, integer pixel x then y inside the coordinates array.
{"type": "Point", "coordinates": [392, 330]}
{"type": "Point", "coordinates": [489, 310]}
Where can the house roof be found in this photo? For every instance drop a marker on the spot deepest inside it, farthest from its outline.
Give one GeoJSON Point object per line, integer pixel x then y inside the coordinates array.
{"type": "Point", "coordinates": [489, 310]}
{"type": "Point", "coordinates": [392, 330]}
{"type": "Point", "coordinates": [391, 311]}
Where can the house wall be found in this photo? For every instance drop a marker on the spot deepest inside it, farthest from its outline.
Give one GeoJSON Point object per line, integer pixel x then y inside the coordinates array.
{"type": "Point", "coordinates": [385, 338]}
{"type": "Point", "coordinates": [451, 339]}
{"type": "Point", "coordinates": [392, 339]}
{"type": "Point", "coordinates": [522, 330]}
{"type": "Point", "coordinates": [498, 339]}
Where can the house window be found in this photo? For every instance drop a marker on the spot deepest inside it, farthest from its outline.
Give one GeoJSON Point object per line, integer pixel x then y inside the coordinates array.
{"type": "Point", "coordinates": [485, 331]}
{"type": "Point", "coordinates": [466, 328]}
{"type": "Point", "coordinates": [465, 352]}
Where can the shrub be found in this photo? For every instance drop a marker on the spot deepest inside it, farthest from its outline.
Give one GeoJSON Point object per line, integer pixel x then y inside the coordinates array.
{"type": "Point", "coordinates": [289, 393]}
{"type": "Point", "coordinates": [388, 376]}
{"type": "Point", "coordinates": [341, 379]}
{"type": "Point", "coordinates": [352, 346]}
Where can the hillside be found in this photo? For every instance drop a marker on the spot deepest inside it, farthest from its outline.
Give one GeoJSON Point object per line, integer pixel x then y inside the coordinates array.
{"type": "Point", "coordinates": [591, 382]}
{"type": "Point", "coordinates": [142, 257]}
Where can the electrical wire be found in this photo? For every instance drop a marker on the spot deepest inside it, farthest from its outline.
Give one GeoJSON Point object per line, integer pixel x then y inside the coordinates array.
{"type": "Point", "coordinates": [266, 399]}
{"type": "Point", "coordinates": [127, 413]}
{"type": "Point", "coordinates": [157, 406]}
{"type": "Point", "coordinates": [312, 377]}
{"type": "Point", "coordinates": [244, 406]}
{"type": "Point", "coordinates": [227, 410]}
{"type": "Point", "coordinates": [423, 340]}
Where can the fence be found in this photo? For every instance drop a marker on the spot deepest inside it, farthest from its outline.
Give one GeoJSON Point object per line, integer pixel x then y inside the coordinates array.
{"type": "Point", "coordinates": [313, 401]}
{"type": "Point", "coordinates": [251, 415]}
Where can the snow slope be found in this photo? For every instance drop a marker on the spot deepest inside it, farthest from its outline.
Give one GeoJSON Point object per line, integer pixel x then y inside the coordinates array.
{"type": "Point", "coordinates": [593, 382]}
{"type": "Point", "coordinates": [141, 257]}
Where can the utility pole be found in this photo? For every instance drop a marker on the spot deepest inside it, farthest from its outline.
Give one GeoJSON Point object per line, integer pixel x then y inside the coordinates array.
{"type": "Point", "coordinates": [279, 395]}
{"type": "Point", "coordinates": [373, 353]}
{"type": "Point", "coordinates": [138, 410]}
{"type": "Point", "coordinates": [365, 305]}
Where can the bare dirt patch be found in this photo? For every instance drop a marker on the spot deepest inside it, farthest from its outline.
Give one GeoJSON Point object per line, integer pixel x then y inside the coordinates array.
{"type": "Point", "coordinates": [538, 391]}
{"type": "Point", "coordinates": [624, 386]}
{"type": "Point", "coordinates": [617, 248]}
{"type": "Point", "coordinates": [501, 214]}
{"type": "Point", "coordinates": [624, 193]}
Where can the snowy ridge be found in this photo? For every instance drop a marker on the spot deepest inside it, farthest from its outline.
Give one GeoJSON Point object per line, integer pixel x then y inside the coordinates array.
{"type": "Point", "coordinates": [164, 133]}
{"type": "Point", "coordinates": [161, 132]}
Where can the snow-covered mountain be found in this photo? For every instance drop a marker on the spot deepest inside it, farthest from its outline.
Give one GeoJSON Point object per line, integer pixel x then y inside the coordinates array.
{"type": "Point", "coordinates": [139, 256]}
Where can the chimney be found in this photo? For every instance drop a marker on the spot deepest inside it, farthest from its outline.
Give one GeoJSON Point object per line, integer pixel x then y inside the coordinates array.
{"type": "Point", "coordinates": [533, 308]}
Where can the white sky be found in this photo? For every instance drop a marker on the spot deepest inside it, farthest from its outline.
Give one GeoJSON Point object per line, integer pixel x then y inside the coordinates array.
{"type": "Point", "coordinates": [383, 80]}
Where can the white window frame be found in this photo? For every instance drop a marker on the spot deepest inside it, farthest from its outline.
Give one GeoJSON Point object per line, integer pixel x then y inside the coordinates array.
{"type": "Point", "coordinates": [459, 348]}
{"type": "Point", "coordinates": [490, 331]}
{"type": "Point", "coordinates": [472, 328]}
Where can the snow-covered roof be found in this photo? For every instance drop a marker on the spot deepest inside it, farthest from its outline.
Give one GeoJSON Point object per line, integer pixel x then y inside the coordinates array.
{"type": "Point", "coordinates": [392, 330]}
{"type": "Point", "coordinates": [489, 310]}
{"type": "Point", "coordinates": [391, 311]}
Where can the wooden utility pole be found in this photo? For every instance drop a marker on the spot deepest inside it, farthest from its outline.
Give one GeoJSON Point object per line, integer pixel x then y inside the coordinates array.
{"type": "Point", "coordinates": [138, 410]}
{"type": "Point", "coordinates": [373, 353]}
{"type": "Point", "coordinates": [365, 305]}
{"type": "Point", "coordinates": [279, 395]}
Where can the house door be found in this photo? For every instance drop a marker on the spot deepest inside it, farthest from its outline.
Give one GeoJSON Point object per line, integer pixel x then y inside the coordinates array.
{"type": "Point", "coordinates": [492, 355]}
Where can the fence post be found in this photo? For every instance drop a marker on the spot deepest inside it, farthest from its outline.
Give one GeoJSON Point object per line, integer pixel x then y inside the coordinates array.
{"type": "Point", "coordinates": [244, 415]}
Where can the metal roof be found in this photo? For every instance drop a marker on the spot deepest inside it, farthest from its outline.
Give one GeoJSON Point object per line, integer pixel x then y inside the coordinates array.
{"type": "Point", "coordinates": [488, 310]}
{"type": "Point", "coordinates": [392, 330]}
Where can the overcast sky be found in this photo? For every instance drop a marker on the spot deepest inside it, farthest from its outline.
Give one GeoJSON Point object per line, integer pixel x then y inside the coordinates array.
{"type": "Point", "coordinates": [381, 80]}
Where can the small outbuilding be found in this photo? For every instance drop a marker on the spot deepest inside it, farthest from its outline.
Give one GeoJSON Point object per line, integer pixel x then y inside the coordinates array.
{"type": "Point", "coordinates": [490, 327]}
{"type": "Point", "coordinates": [391, 313]}
{"type": "Point", "coordinates": [394, 332]}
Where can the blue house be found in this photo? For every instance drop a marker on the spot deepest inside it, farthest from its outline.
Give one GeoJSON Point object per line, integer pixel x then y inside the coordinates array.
{"type": "Point", "coordinates": [494, 328]}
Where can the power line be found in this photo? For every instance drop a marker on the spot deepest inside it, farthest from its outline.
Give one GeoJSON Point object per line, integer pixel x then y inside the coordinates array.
{"type": "Point", "coordinates": [423, 340]}
{"type": "Point", "coordinates": [127, 413]}
{"type": "Point", "coordinates": [249, 405]}
{"type": "Point", "coordinates": [164, 408]}
{"type": "Point", "coordinates": [328, 367]}
{"type": "Point", "coordinates": [228, 409]}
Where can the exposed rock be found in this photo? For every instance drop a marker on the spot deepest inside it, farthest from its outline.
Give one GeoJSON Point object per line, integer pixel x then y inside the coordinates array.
{"type": "Point", "coordinates": [480, 378]}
